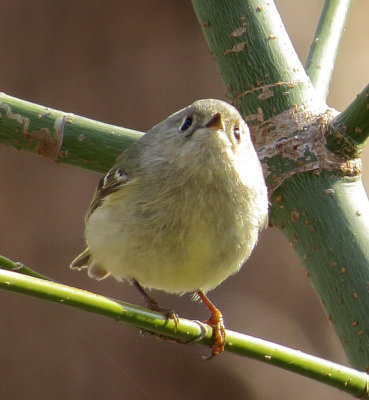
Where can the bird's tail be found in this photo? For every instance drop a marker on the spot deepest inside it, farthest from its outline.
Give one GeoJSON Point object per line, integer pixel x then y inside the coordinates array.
{"type": "Point", "coordinates": [95, 270]}
{"type": "Point", "coordinates": [82, 261]}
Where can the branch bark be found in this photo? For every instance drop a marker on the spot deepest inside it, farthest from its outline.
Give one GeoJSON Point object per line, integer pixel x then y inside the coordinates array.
{"type": "Point", "coordinates": [61, 136]}
{"type": "Point", "coordinates": [317, 199]}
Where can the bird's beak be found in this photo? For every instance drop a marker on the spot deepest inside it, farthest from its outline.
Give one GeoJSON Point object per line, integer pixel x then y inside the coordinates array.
{"type": "Point", "coordinates": [215, 122]}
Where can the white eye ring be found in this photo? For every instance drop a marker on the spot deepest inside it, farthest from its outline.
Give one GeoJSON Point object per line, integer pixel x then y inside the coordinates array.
{"type": "Point", "coordinates": [237, 133]}
{"type": "Point", "coordinates": [187, 122]}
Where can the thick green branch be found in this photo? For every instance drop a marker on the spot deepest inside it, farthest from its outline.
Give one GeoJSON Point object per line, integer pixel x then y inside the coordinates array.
{"type": "Point", "coordinates": [343, 378]}
{"type": "Point", "coordinates": [326, 219]}
{"type": "Point", "coordinates": [323, 50]}
{"type": "Point", "coordinates": [60, 136]}
{"type": "Point", "coordinates": [324, 212]}
{"type": "Point", "coordinates": [255, 56]}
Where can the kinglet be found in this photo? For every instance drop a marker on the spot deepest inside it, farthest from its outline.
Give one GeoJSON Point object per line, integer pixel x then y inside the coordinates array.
{"type": "Point", "coordinates": [181, 209]}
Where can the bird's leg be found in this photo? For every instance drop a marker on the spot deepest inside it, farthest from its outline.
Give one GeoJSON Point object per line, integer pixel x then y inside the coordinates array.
{"type": "Point", "coordinates": [153, 304]}
{"type": "Point", "coordinates": [216, 322]}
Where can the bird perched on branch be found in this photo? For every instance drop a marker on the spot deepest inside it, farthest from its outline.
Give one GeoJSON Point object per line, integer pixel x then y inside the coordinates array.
{"type": "Point", "coordinates": [181, 209]}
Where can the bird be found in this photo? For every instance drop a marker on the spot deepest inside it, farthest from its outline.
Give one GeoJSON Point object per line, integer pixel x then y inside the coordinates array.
{"type": "Point", "coordinates": [181, 209]}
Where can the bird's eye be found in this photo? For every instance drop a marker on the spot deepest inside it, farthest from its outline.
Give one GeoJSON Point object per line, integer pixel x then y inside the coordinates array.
{"type": "Point", "coordinates": [187, 122]}
{"type": "Point", "coordinates": [237, 133]}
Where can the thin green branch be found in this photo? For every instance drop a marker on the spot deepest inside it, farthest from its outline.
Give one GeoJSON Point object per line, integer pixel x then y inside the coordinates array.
{"type": "Point", "coordinates": [10, 265]}
{"type": "Point", "coordinates": [60, 136]}
{"type": "Point", "coordinates": [323, 50]}
{"type": "Point", "coordinates": [341, 377]}
{"type": "Point", "coordinates": [350, 129]}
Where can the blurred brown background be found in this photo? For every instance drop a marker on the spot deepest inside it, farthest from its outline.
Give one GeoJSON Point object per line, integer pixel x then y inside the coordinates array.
{"type": "Point", "coordinates": [131, 64]}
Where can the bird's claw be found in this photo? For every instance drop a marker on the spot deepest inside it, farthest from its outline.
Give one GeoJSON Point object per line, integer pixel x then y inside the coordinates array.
{"type": "Point", "coordinates": [167, 312]}
{"type": "Point", "coordinates": [216, 322]}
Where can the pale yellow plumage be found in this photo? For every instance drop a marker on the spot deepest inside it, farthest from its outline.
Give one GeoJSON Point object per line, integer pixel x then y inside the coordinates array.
{"type": "Point", "coordinates": [181, 209]}
{"type": "Point", "coordinates": [187, 212]}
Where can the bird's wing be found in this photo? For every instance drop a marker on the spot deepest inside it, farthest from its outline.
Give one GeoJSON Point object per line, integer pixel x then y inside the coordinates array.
{"type": "Point", "coordinates": [120, 176]}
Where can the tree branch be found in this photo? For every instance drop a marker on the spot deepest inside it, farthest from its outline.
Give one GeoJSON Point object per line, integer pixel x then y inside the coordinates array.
{"type": "Point", "coordinates": [60, 136]}
{"type": "Point", "coordinates": [338, 376]}
{"type": "Point", "coordinates": [260, 68]}
{"type": "Point", "coordinates": [317, 198]}
{"type": "Point", "coordinates": [350, 129]}
{"type": "Point", "coordinates": [323, 50]}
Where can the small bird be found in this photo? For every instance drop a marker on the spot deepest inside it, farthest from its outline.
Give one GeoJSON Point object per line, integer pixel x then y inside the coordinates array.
{"type": "Point", "coordinates": [181, 209]}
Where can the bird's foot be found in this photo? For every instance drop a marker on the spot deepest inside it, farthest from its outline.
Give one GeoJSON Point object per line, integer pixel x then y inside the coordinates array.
{"type": "Point", "coordinates": [216, 322]}
{"type": "Point", "coordinates": [154, 305]}
{"type": "Point", "coordinates": [167, 312]}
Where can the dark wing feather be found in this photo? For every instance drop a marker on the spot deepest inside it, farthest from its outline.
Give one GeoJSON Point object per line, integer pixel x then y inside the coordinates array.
{"type": "Point", "coordinates": [119, 176]}
{"type": "Point", "coordinates": [110, 183]}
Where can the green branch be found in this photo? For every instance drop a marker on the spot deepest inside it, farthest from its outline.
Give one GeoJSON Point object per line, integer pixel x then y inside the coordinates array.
{"type": "Point", "coordinates": [324, 48]}
{"type": "Point", "coordinates": [341, 377]}
{"type": "Point", "coordinates": [260, 68]}
{"type": "Point", "coordinates": [61, 137]}
{"type": "Point", "coordinates": [10, 265]}
{"type": "Point", "coordinates": [326, 219]}
{"type": "Point", "coordinates": [317, 198]}
{"type": "Point", "coordinates": [350, 129]}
